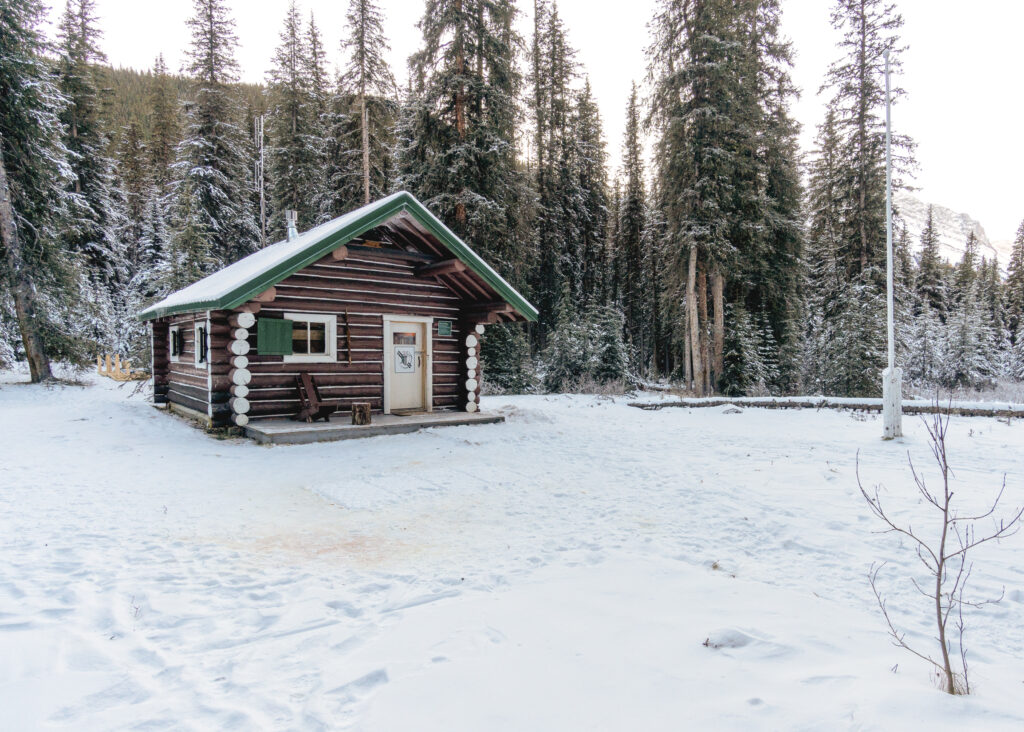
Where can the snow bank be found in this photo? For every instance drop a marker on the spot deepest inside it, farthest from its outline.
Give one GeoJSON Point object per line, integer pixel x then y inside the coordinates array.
{"type": "Point", "coordinates": [585, 565]}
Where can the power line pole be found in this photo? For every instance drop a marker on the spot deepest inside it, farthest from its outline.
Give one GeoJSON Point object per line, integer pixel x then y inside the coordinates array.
{"type": "Point", "coordinates": [892, 377]}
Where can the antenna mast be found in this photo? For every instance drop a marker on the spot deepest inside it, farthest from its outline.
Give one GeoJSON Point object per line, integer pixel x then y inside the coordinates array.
{"type": "Point", "coordinates": [892, 377]}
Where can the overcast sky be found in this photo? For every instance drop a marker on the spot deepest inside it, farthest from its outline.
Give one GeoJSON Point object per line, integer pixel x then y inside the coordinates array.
{"type": "Point", "coordinates": [963, 74]}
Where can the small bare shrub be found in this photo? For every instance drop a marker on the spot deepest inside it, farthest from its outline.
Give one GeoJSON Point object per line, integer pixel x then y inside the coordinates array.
{"type": "Point", "coordinates": [946, 558]}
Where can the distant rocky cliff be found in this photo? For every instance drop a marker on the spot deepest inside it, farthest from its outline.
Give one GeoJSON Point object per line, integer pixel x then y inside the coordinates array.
{"type": "Point", "coordinates": [952, 228]}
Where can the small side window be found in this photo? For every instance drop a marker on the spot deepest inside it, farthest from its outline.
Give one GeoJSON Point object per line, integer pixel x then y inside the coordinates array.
{"type": "Point", "coordinates": [175, 343]}
{"type": "Point", "coordinates": [201, 344]}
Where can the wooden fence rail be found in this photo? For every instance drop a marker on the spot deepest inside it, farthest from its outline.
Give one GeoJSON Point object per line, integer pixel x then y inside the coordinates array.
{"type": "Point", "coordinates": [972, 409]}
{"type": "Point", "coordinates": [116, 370]}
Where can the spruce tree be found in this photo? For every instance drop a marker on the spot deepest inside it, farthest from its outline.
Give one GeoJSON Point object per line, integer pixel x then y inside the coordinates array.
{"type": "Point", "coordinates": [39, 275]}
{"type": "Point", "coordinates": [505, 357]}
{"type": "Point", "coordinates": [292, 129]}
{"type": "Point", "coordinates": [728, 183]}
{"type": "Point", "coordinates": [457, 137]}
{"type": "Point", "coordinates": [591, 201]}
{"type": "Point", "coordinates": [1014, 286]}
{"type": "Point", "coordinates": [187, 257]}
{"type": "Point", "coordinates": [931, 285]}
{"type": "Point", "coordinates": [611, 352]}
{"type": "Point", "coordinates": [968, 358]}
{"type": "Point", "coordinates": [91, 227]}
{"type": "Point", "coordinates": [213, 162]}
{"type": "Point", "coordinates": [869, 28]}
{"type": "Point", "coordinates": [315, 64]}
{"type": "Point", "coordinates": [368, 81]}
{"type": "Point", "coordinates": [630, 230]}
{"type": "Point", "coordinates": [846, 246]}
{"type": "Point", "coordinates": [966, 273]}
{"type": "Point", "coordinates": [135, 185]}
{"type": "Point", "coordinates": [165, 127]}
{"type": "Point", "coordinates": [552, 71]}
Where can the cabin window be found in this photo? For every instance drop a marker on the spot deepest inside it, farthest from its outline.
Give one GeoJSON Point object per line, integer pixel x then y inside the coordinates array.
{"type": "Point", "coordinates": [314, 338]}
{"type": "Point", "coordinates": [175, 343]}
{"type": "Point", "coordinates": [201, 344]}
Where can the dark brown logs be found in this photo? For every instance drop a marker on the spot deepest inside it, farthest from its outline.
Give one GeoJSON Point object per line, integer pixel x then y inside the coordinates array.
{"type": "Point", "coordinates": [448, 266]}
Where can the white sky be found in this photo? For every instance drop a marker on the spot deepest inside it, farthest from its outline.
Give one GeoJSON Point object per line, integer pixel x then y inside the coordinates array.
{"type": "Point", "coordinates": [963, 74]}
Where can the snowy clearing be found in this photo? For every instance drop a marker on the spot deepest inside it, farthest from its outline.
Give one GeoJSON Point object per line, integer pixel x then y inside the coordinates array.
{"type": "Point", "coordinates": [586, 565]}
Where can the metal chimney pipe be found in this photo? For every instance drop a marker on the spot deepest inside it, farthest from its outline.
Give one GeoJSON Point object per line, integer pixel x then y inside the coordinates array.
{"type": "Point", "coordinates": [291, 216]}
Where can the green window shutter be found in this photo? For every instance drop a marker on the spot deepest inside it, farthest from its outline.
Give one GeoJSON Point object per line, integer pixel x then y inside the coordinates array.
{"type": "Point", "coordinates": [273, 337]}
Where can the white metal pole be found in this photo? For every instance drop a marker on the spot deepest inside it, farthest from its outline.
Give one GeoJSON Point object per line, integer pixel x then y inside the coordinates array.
{"type": "Point", "coordinates": [892, 377]}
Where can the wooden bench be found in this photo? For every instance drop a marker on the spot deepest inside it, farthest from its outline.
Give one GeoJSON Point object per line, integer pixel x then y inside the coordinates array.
{"type": "Point", "coordinates": [314, 407]}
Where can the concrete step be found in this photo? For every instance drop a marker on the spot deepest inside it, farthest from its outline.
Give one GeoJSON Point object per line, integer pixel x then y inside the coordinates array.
{"type": "Point", "coordinates": [289, 432]}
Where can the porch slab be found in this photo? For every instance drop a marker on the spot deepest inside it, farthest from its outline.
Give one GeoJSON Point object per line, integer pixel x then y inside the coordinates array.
{"type": "Point", "coordinates": [289, 432]}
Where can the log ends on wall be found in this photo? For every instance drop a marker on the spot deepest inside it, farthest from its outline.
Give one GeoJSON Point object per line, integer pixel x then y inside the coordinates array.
{"type": "Point", "coordinates": [469, 350]}
{"type": "Point", "coordinates": [239, 376]}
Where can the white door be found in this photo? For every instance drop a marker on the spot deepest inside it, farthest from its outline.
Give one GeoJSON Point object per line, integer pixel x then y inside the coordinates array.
{"type": "Point", "coordinates": [405, 364]}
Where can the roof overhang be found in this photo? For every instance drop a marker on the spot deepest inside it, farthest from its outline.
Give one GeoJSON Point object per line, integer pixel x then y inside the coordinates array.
{"type": "Point", "coordinates": [242, 281]}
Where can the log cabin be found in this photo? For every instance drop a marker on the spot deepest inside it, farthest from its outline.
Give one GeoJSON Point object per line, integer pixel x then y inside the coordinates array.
{"type": "Point", "coordinates": [384, 305]}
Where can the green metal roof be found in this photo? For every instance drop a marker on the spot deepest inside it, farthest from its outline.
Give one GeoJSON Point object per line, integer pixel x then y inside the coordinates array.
{"type": "Point", "coordinates": [240, 282]}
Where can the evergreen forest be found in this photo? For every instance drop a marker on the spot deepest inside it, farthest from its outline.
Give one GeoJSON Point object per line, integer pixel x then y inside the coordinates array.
{"type": "Point", "coordinates": [718, 256]}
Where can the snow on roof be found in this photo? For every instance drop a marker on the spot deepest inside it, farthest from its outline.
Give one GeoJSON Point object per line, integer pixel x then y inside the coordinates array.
{"type": "Point", "coordinates": [223, 282]}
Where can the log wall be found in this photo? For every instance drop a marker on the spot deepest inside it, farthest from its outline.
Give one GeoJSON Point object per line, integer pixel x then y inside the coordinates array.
{"type": "Point", "coordinates": [187, 384]}
{"type": "Point", "coordinates": [367, 285]}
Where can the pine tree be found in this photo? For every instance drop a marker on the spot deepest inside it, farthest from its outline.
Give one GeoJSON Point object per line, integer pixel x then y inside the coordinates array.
{"type": "Point", "coordinates": [591, 203]}
{"type": "Point", "coordinates": [741, 358]}
{"type": "Point", "coordinates": [1017, 359]}
{"type": "Point", "coordinates": [504, 353]}
{"type": "Point", "coordinates": [135, 185]}
{"type": "Point", "coordinates": [931, 286]}
{"type": "Point", "coordinates": [846, 246]}
{"type": "Point", "coordinates": [294, 164]}
{"type": "Point", "coordinates": [40, 277]}
{"type": "Point", "coordinates": [552, 71]}
{"type": "Point", "coordinates": [869, 28]}
{"type": "Point", "coordinates": [91, 226]}
{"type": "Point", "coordinates": [188, 257]}
{"type": "Point", "coordinates": [165, 133]}
{"type": "Point", "coordinates": [968, 358]}
{"type": "Point", "coordinates": [1014, 286]}
{"type": "Point", "coordinates": [925, 350]}
{"type": "Point", "coordinates": [213, 163]}
{"type": "Point", "coordinates": [457, 136]}
{"type": "Point", "coordinates": [315, 67]}
{"type": "Point", "coordinates": [727, 175]}
{"type": "Point", "coordinates": [631, 223]}
{"type": "Point", "coordinates": [566, 358]}
{"type": "Point", "coordinates": [966, 273]}
{"type": "Point", "coordinates": [611, 356]}
{"type": "Point", "coordinates": [368, 81]}
{"type": "Point", "coordinates": [771, 242]}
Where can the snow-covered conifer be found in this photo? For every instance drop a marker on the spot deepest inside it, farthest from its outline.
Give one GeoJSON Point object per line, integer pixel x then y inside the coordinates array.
{"type": "Point", "coordinates": [213, 162]}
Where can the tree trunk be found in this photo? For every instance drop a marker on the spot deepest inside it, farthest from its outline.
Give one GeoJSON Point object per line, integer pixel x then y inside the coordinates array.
{"type": "Point", "coordinates": [22, 289]}
{"type": "Point", "coordinates": [460, 98]}
{"type": "Point", "coordinates": [366, 147]}
{"type": "Point", "coordinates": [718, 302]}
{"type": "Point", "coordinates": [693, 318]}
{"type": "Point", "coordinates": [705, 350]}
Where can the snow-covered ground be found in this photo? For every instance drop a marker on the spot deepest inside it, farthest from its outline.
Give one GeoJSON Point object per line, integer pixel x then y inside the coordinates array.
{"type": "Point", "coordinates": [586, 566]}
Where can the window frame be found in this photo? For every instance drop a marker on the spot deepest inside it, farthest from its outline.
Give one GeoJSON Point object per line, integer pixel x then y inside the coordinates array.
{"type": "Point", "coordinates": [173, 336]}
{"type": "Point", "coordinates": [330, 334]}
{"type": "Point", "coordinates": [201, 344]}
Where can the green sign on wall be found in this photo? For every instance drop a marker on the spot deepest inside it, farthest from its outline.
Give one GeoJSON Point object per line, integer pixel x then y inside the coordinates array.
{"type": "Point", "coordinates": [444, 327]}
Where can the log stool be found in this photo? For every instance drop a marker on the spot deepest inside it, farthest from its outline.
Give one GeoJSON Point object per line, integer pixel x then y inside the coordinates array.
{"type": "Point", "coordinates": [360, 412]}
